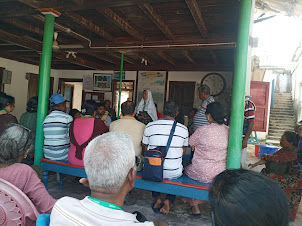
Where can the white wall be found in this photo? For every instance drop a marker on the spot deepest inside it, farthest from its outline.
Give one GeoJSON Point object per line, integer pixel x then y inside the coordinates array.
{"type": "Point", "coordinates": [297, 92]}
{"type": "Point", "coordinates": [196, 76]}
{"type": "Point", "coordinates": [19, 86]}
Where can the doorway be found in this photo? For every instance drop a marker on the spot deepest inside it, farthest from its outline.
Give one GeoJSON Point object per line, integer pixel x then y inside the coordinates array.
{"type": "Point", "coordinates": [126, 94]}
{"type": "Point", "coordinates": [183, 94]}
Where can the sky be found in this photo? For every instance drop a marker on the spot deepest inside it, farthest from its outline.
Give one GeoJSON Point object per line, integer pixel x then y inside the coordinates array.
{"type": "Point", "coordinates": [278, 39]}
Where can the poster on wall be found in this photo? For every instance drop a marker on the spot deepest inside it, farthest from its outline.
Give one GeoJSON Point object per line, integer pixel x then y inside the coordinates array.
{"type": "Point", "coordinates": [102, 81]}
{"type": "Point", "coordinates": [117, 75]}
{"type": "Point", "coordinates": [155, 81]}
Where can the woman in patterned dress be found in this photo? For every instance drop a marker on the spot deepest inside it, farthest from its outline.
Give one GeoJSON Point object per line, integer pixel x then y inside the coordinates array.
{"type": "Point", "coordinates": [210, 143]}
{"type": "Point", "coordinates": [284, 168]}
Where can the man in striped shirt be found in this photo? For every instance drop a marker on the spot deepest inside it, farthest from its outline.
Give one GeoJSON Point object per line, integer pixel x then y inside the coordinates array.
{"type": "Point", "coordinates": [157, 134]}
{"type": "Point", "coordinates": [200, 118]}
{"type": "Point", "coordinates": [248, 125]}
{"type": "Point", "coordinates": [56, 130]}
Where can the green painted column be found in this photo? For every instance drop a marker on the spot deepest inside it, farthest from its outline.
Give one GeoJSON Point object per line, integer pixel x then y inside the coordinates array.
{"type": "Point", "coordinates": [239, 81]}
{"type": "Point", "coordinates": [44, 79]}
{"type": "Point", "coordinates": [120, 87]}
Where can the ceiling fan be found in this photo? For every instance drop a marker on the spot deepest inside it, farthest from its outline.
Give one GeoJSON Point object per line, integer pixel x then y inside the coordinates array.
{"type": "Point", "coordinates": [56, 46]}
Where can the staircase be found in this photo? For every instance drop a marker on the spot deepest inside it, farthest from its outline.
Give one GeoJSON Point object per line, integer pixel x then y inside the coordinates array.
{"type": "Point", "coordinates": [282, 117]}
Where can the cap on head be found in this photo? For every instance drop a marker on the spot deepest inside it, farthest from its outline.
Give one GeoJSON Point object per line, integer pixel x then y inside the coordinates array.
{"type": "Point", "coordinates": [56, 99]}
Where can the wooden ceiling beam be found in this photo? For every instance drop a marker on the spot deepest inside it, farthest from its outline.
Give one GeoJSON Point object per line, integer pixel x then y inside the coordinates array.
{"type": "Point", "coordinates": [166, 57]}
{"type": "Point", "coordinates": [105, 58]}
{"type": "Point", "coordinates": [78, 61]}
{"type": "Point", "coordinates": [200, 23]}
{"type": "Point", "coordinates": [90, 25]}
{"type": "Point", "coordinates": [189, 56]}
{"type": "Point", "coordinates": [157, 20]}
{"type": "Point", "coordinates": [20, 24]}
{"type": "Point", "coordinates": [143, 56]}
{"type": "Point", "coordinates": [126, 58]}
{"type": "Point", "coordinates": [62, 28]}
{"type": "Point", "coordinates": [20, 41]}
{"type": "Point", "coordinates": [121, 23]}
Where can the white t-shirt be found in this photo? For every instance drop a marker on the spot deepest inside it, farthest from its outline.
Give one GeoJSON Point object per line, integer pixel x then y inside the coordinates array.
{"type": "Point", "coordinates": [71, 211]}
{"type": "Point", "coordinates": [157, 134]}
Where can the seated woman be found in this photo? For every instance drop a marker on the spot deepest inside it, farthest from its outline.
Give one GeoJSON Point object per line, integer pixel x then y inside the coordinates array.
{"type": "Point", "coordinates": [7, 105]}
{"type": "Point", "coordinates": [283, 167]}
{"type": "Point", "coordinates": [211, 144]}
{"type": "Point", "coordinates": [243, 197]}
{"type": "Point", "coordinates": [83, 130]}
{"type": "Point", "coordinates": [29, 118]}
{"type": "Point", "coordinates": [15, 143]}
{"type": "Point", "coordinates": [146, 110]}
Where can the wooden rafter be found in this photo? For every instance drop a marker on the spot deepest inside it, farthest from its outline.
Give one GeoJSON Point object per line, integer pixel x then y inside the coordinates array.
{"type": "Point", "coordinates": [126, 58]}
{"type": "Point", "coordinates": [74, 5]}
{"type": "Point", "coordinates": [62, 28]}
{"type": "Point", "coordinates": [200, 23]}
{"type": "Point", "coordinates": [78, 61]}
{"type": "Point", "coordinates": [157, 19]}
{"type": "Point", "coordinates": [38, 47]}
{"type": "Point", "coordinates": [89, 25]}
{"type": "Point", "coordinates": [160, 23]}
{"type": "Point", "coordinates": [105, 58]}
{"type": "Point", "coordinates": [189, 56]}
{"type": "Point", "coordinates": [121, 23]}
{"type": "Point", "coordinates": [19, 23]}
{"type": "Point", "coordinates": [166, 57]}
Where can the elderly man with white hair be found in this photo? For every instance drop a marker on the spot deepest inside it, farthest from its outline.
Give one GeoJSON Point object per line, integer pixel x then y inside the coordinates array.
{"type": "Point", "coordinates": [110, 166]}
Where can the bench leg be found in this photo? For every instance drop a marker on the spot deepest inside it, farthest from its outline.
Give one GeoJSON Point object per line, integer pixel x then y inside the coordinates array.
{"type": "Point", "coordinates": [61, 182]}
{"type": "Point", "coordinates": [45, 178]}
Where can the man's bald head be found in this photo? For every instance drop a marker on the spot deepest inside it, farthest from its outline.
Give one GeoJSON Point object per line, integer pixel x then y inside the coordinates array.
{"type": "Point", "coordinates": [128, 108]}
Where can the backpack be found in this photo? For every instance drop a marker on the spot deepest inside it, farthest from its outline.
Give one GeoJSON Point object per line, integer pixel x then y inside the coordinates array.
{"type": "Point", "coordinates": [154, 160]}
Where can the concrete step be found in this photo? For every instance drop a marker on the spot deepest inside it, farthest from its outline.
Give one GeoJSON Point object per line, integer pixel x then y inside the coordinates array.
{"type": "Point", "coordinates": [270, 137]}
{"type": "Point", "coordinates": [274, 128]}
{"type": "Point", "coordinates": [282, 110]}
{"type": "Point", "coordinates": [282, 117]}
{"type": "Point", "coordinates": [275, 134]}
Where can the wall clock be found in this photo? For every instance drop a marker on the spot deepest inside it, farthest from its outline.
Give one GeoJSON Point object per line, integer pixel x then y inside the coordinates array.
{"type": "Point", "coordinates": [216, 82]}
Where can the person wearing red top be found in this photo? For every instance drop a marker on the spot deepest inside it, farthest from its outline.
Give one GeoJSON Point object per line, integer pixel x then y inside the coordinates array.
{"type": "Point", "coordinates": [83, 130]}
{"type": "Point", "coordinates": [159, 115]}
{"type": "Point", "coordinates": [284, 168]}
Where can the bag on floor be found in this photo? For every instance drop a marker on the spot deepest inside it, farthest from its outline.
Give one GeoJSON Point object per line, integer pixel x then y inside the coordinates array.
{"type": "Point", "coordinates": [154, 160]}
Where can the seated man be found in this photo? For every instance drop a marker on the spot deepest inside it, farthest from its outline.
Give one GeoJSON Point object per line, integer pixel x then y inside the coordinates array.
{"type": "Point", "coordinates": [132, 127]}
{"type": "Point", "coordinates": [56, 130]}
{"type": "Point", "coordinates": [111, 170]}
{"type": "Point", "coordinates": [110, 110]}
{"type": "Point", "coordinates": [103, 114]}
{"type": "Point", "coordinates": [157, 134]}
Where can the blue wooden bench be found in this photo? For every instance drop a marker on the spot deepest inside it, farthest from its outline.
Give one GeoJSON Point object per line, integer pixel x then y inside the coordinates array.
{"type": "Point", "coordinates": [183, 186]}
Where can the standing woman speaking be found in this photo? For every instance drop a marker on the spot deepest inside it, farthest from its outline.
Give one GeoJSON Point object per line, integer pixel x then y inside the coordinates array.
{"type": "Point", "coordinates": [146, 110]}
{"type": "Point", "coordinates": [7, 105]}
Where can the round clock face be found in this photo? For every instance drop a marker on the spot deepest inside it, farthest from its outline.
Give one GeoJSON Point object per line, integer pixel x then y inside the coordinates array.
{"type": "Point", "coordinates": [215, 81]}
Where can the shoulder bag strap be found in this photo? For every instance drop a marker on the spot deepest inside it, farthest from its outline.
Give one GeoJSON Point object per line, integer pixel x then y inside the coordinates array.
{"type": "Point", "coordinates": [170, 137]}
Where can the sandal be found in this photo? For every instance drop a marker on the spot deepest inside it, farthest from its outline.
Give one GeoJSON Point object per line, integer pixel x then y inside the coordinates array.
{"type": "Point", "coordinates": [156, 210]}
{"type": "Point", "coordinates": [189, 211]}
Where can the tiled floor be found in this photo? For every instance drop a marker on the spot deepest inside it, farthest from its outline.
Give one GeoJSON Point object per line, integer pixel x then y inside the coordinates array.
{"type": "Point", "coordinates": [177, 216]}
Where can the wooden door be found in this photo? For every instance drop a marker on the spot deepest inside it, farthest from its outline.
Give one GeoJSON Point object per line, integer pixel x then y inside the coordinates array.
{"type": "Point", "coordinates": [33, 85]}
{"type": "Point", "coordinates": [1, 85]}
{"type": "Point", "coordinates": [260, 96]}
{"type": "Point", "coordinates": [183, 94]}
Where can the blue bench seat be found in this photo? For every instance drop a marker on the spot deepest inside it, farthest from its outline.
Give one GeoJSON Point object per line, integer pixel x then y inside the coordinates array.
{"type": "Point", "coordinates": [183, 186]}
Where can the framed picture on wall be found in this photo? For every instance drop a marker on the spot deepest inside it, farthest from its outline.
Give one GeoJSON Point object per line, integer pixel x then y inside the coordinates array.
{"type": "Point", "coordinates": [102, 81]}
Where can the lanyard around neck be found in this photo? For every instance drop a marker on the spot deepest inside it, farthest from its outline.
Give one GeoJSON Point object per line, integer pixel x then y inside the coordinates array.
{"type": "Point", "coordinates": [105, 204]}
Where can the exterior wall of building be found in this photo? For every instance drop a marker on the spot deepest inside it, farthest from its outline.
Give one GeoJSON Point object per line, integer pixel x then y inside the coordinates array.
{"type": "Point", "coordinates": [297, 91]}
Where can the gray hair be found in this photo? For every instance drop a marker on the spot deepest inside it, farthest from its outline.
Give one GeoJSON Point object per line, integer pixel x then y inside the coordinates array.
{"type": "Point", "coordinates": [14, 142]}
{"type": "Point", "coordinates": [108, 159]}
{"type": "Point", "coordinates": [204, 89]}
